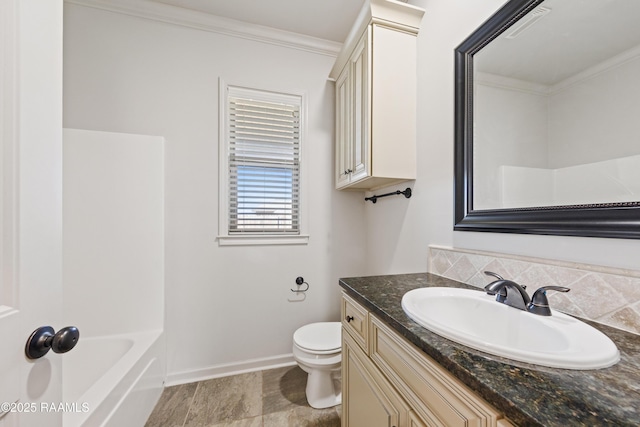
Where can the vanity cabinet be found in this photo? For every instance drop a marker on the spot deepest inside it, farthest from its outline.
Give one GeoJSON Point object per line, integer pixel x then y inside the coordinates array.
{"type": "Point", "coordinates": [387, 381]}
{"type": "Point", "coordinates": [375, 76]}
{"type": "Point", "coordinates": [369, 400]}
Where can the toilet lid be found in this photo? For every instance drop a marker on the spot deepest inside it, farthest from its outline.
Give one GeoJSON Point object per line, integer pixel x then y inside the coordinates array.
{"type": "Point", "coordinates": [323, 336]}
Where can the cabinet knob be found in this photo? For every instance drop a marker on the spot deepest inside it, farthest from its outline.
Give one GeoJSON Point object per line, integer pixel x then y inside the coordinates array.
{"type": "Point", "coordinates": [349, 319]}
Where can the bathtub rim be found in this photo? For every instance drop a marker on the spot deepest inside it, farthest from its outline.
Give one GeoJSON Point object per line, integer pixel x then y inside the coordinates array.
{"type": "Point", "coordinates": [97, 393]}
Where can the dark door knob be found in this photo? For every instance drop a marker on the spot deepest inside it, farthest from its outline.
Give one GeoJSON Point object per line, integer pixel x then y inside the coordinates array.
{"type": "Point", "coordinates": [65, 339]}
{"type": "Point", "coordinates": [45, 338]}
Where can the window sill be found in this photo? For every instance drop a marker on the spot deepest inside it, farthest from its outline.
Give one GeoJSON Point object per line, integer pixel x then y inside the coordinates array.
{"type": "Point", "coordinates": [255, 240]}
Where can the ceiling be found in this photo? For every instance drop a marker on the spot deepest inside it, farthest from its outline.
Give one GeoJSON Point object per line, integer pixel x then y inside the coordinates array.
{"type": "Point", "coordinates": [574, 36]}
{"type": "Point", "coordinates": [324, 19]}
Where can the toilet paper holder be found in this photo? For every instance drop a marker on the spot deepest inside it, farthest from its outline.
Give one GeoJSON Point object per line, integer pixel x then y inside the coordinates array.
{"type": "Point", "coordinates": [300, 281]}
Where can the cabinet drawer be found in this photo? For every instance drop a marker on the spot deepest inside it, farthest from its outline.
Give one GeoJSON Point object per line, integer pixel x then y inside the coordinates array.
{"type": "Point", "coordinates": [437, 396]}
{"type": "Point", "coordinates": [355, 320]}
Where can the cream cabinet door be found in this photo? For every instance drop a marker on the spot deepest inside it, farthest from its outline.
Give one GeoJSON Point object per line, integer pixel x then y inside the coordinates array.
{"type": "Point", "coordinates": [360, 65]}
{"type": "Point", "coordinates": [343, 129]}
{"type": "Point", "coordinates": [368, 399]}
{"type": "Point", "coordinates": [353, 112]}
{"type": "Point", "coordinates": [415, 421]}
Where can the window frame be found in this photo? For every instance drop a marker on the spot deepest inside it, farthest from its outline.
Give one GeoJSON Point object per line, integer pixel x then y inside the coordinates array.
{"type": "Point", "coordinates": [225, 238]}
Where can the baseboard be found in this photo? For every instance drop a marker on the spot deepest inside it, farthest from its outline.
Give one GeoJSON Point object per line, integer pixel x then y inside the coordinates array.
{"type": "Point", "coordinates": [227, 369]}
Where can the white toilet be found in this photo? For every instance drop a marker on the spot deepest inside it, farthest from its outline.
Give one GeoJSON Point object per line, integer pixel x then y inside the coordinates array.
{"type": "Point", "coordinates": [317, 349]}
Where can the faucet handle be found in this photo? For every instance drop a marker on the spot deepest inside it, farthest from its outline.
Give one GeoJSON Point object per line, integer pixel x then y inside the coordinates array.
{"type": "Point", "coordinates": [490, 288]}
{"type": "Point", "coordinates": [539, 302]}
{"type": "Point", "coordinates": [496, 275]}
{"type": "Point", "coordinates": [492, 284]}
{"type": "Point", "coordinates": [495, 287]}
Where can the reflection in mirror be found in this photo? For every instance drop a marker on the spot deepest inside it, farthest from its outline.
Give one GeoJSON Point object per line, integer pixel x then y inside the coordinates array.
{"type": "Point", "coordinates": [556, 105]}
{"type": "Point", "coordinates": [547, 102]}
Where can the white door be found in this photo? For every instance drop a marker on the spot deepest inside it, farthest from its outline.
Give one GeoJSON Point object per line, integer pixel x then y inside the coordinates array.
{"type": "Point", "coordinates": [30, 206]}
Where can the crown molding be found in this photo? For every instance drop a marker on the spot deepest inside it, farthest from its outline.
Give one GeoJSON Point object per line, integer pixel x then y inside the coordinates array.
{"type": "Point", "coordinates": [508, 83]}
{"type": "Point", "coordinates": [595, 71]}
{"type": "Point", "coordinates": [206, 22]}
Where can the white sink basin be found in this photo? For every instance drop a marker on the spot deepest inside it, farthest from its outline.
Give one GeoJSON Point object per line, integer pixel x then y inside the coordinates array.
{"type": "Point", "coordinates": [477, 320]}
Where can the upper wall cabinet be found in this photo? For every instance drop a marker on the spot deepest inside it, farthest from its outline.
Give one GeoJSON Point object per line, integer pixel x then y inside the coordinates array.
{"type": "Point", "coordinates": [375, 76]}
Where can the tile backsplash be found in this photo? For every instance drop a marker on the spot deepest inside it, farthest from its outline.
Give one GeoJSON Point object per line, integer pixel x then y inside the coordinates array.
{"type": "Point", "coordinates": [604, 295]}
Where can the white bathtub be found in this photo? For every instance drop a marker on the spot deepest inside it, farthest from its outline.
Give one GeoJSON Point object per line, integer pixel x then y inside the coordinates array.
{"type": "Point", "coordinates": [113, 380]}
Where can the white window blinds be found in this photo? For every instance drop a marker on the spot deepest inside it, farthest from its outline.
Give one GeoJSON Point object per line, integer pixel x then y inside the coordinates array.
{"type": "Point", "coordinates": [264, 163]}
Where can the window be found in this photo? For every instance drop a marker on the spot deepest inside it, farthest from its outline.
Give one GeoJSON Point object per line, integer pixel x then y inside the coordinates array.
{"type": "Point", "coordinates": [260, 167]}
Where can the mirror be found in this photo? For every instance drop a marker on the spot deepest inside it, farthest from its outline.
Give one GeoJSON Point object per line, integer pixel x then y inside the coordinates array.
{"type": "Point", "coordinates": [547, 104]}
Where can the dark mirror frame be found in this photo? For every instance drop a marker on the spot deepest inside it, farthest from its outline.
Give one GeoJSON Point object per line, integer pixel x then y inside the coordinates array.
{"type": "Point", "coordinates": [618, 220]}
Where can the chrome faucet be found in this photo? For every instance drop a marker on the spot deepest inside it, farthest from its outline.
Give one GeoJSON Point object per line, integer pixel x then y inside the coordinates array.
{"type": "Point", "coordinates": [512, 294]}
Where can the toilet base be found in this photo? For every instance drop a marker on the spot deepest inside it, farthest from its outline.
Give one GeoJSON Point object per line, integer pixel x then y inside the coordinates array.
{"type": "Point", "coordinates": [323, 389]}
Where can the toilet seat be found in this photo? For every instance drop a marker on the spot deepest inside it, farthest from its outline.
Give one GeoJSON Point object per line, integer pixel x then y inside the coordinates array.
{"type": "Point", "coordinates": [319, 338]}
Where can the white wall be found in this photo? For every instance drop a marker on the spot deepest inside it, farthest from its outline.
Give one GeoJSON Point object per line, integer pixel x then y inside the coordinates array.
{"type": "Point", "coordinates": [525, 187]}
{"type": "Point", "coordinates": [400, 230]}
{"type": "Point", "coordinates": [510, 129]}
{"type": "Point", "coordinates": [595, 118]}
{"type": "Point", "coordinates": [224, 305]}
{"type": "Point", "coordinates": [113, 232]}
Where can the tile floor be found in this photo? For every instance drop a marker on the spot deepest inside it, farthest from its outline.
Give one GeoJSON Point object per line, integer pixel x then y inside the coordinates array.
{"type": "Point", "coordinates": [272, 398]}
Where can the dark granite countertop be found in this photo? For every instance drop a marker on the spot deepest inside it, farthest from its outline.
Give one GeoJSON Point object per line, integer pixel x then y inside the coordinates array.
{"type": "Point", "coordinates": [528, 395]}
